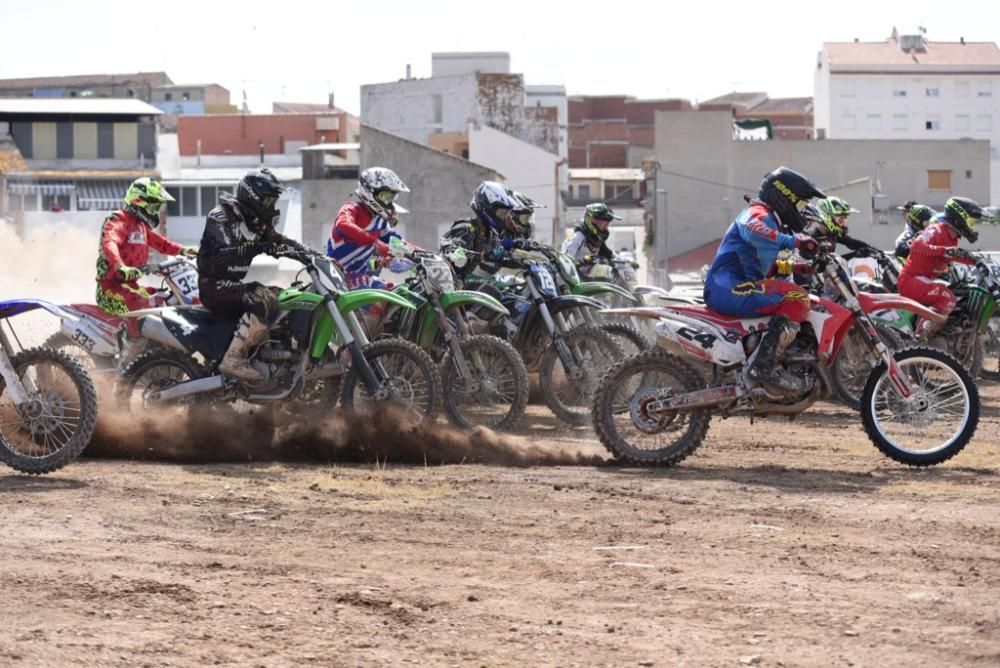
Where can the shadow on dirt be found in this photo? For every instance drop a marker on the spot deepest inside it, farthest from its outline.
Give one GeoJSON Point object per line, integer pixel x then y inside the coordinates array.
{"type": "Point", "coordinates": [23, 483]}
{"type": "Point", "coordinates": [817, 481]}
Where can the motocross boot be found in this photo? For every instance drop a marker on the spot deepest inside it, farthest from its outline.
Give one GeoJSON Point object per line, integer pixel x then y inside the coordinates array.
{"type": "Point", "coordinates": [250, 331]}
{"type": "Point", "coordinates": [927, 329]}
{"type": "Point", "coordinates": [763, 367]}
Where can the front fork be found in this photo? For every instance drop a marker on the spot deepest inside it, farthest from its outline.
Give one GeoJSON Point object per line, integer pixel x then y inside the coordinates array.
{"type": "Point", "coordinates": [453, 342]}
{"type": "Point", "coordinates": [18, 391]}
{"type": "Point", "coordinates": [355, 340]}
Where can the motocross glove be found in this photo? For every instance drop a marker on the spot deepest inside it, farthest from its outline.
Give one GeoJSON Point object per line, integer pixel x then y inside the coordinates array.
{"type": "Point", "coordinates": [189, 251]}
{"type": "Point", "coordinates": [129, 274]}
{"type": "Point", "coordinates": [956, 252]}
{"type": "Point", "coordinates": [806, 245]}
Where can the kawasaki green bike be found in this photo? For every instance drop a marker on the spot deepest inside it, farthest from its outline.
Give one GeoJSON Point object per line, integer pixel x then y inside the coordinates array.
{"type": "Point", "coordinates": [316, 349]}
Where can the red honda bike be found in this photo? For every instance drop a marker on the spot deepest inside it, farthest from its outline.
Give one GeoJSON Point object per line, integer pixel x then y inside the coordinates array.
{"type": "Point", "coordinates": [919, 405]}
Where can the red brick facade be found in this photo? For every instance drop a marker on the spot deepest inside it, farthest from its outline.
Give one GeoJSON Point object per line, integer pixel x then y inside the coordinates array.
{"type": "Point", "coordinates": [602, 128]}
{"type": "Point", "coordinates": [241, 134]}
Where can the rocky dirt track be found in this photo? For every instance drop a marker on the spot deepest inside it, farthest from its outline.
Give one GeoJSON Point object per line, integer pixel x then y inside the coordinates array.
{"type": "Point", "coordinates": [776, 544]}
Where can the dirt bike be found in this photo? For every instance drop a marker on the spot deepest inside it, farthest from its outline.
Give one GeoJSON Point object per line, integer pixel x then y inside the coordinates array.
{"type": "Point", "coordinates": [301, 361]}
{"type": "Point", "coordinates": [919, 405]}
{"type": "Point", "coordinates": [483, 379]}
{"type": "Point", "coordinates": [48, 406]}
{"type": "Point", "coordinates": [101, 341]}
{"type": "Point", "coordinates": [568, 281]}
{"type": "Point", "coordinates": [569, 357]}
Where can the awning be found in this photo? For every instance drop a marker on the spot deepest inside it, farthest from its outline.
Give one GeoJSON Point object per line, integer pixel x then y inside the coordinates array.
{"type": "Point", "coordinates": [101, 195]}
{"type": "Point", "coordinates": [40, 187]}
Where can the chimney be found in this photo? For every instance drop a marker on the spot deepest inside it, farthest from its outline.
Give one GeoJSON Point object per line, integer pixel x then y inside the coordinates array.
{"type": "Point", "coordinates": [962, 40]}
{"type": "Point", "coordinates": [407, 71]}
{"type": "Point", "coordinates": [329, 101]}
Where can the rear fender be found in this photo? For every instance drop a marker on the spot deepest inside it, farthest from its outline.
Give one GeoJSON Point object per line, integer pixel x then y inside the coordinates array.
{"type": "Point", "coordinates": [885, 302]}
{"type": "Point", "coordinates": [701, 340]}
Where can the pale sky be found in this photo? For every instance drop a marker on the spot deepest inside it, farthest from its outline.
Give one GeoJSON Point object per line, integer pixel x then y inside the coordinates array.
{"type": "Point", "coordinates": [298, 51]}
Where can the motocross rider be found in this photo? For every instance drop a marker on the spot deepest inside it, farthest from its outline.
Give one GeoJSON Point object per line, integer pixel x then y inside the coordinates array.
{"type": "Point", "coordinates": [916, 216]}
{"type": "Point", "coordinates": [477, 240]}
{"type": "Point", "coordinates": [126, 236]}
{"type": "Point", "coordinates": [240, 228]}
{"type": "Point", "coordinates": [590, 236]}
{"type": "Point", "coordinates": [741, 280]}
{"type": "Point", "coordinates": [831, 228]}
{"type": "Point", "coordinates": [519, 226]}
{"type": "Point", "coordinates": [363, 228]}
{"type": "Point", "coordinates": [931, 252]}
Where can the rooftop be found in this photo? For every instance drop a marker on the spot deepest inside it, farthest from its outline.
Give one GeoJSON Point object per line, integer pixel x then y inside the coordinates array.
{"type": "Point", "coordinates": [144, 78]}
{"type": "Point", "coordinates": [979, 55]}
{"type": "Point", "coordinates": [76, 105]}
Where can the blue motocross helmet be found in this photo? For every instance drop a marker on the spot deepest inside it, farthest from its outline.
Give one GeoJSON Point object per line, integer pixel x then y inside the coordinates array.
{"type": "Point", "coordinates": [493, 204]}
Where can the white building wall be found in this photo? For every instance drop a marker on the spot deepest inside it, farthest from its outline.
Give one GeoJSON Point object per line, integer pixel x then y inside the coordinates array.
{"type": "Point", "coordinates": [410, 108]}
{"type": "Point", "coordinates": [899, 105]}
{"type": "Point", "coordinates": [527, 168]}
{"type": "Point", "coordinates": [450, 63]}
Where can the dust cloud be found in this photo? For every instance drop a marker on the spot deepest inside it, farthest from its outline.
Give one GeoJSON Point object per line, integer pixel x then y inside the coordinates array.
{"type": "Point", "coordinates": [203, 434]}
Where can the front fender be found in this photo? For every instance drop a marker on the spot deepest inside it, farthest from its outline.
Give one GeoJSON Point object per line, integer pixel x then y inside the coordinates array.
{"type": "Point", "coordinates": [563, 302]}
{"type": "Point", "coordinates": [602, 287]}
{"type": "Point", "coordinates": [465, 297]}
{"type": "Point", "coordinates": [355, 299]}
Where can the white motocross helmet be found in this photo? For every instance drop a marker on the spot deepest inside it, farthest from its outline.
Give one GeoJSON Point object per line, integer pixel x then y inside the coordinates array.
{"type": "Point", "coordinates": [377, 189]}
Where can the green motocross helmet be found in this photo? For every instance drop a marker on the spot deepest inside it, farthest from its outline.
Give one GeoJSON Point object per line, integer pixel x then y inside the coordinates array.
{"type": "Point", "coordinates": [145, 197]}
{"type": "Point", "coordinates": [596, 219]}
{"type": "Point", "coordinates": [834, 212]}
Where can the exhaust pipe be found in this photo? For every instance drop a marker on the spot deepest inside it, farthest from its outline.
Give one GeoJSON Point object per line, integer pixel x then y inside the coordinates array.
{"type": "Point", "coordinates": [192, 387]}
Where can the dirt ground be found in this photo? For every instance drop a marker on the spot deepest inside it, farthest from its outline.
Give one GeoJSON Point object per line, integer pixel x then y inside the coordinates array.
{"type": "Point", "coordinates": [777, 544]}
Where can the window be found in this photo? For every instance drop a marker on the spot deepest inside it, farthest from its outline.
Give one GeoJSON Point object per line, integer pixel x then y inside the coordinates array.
{"type": "Point", "coordinates": [932, 123]}
{"type": "Point", "coordinates": [984, 122]}
{"type": "Point", "coordinates": [849, 122]}
{"type": "Point", "coordinates": [900, 122]}
{"type": "Point", "coordinates": [961, 122]}
{"type": "Point", "coordinates": [186, 97]}
{"type": "Point", "coordinates": [609, 191]}
{"type": "Point", "coordinates": [29, 202]}
{"type": "Point", "coordinates": [938, 179]}
{"type": "Point", "coordinates": [174, 208]}
{"type": "Point", "coordinates": [167, 97]}
{"type": "Point", "coordinates": [984, 89]}
{"type": "Point", "coordinates": [189, 201]}
{"type": "Point", "coordinates": [932, 92]}
{"type": "Point", "coordinates": [899, 89]}
{"type": "Point", "coordinates": [55, 203]}
{"type": "Point", "coordinates": [847, 88]}
{"type": "Point", "coordinates": [209, 195]}
{"type": "Point", "coordinates": [873, 122]}
{"type": "Point", "coordinates": [961, 89]}
{"type": "Point", "coordinates": [583, 191]}
{"type": "Point", "coordinates": [436, 107]}
{"type": "Point", "coordinates": [968, 173]}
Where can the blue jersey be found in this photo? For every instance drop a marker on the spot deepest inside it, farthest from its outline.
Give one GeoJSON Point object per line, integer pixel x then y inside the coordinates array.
{"type": "Point", "coordinates": [749, 248]}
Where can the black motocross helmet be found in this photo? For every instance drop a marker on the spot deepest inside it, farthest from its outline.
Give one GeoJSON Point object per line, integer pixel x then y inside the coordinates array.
{"type": "Point", "coordinates": [963, 213]}
{"type": "Point", "coordinates": [257, 194]}
{"type": "Point", "coordinates": [788, 193]}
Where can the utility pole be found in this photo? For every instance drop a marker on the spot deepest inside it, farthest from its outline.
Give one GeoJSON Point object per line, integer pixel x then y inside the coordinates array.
{"type": "Point", "coordinates": [557, 208]}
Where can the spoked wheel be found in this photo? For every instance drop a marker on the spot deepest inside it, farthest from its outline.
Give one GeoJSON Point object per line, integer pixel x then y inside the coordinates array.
{"type": "Point", "coordinates": [855, 361]}
{"type": "Point", "coordinates": [56, 422]}
{"type": "Point", "coordinates": [628, 337]}
{"type": "Point", "coordinates": [150, 374]}
{"type": "Point", "coordinates": [624, 417]}
{"type": "Point", "coordinates": [64, 344]}
{"type": "Point", "coordinates": [495, 394]}
{"type": "Point", "coordinates": [569, 393]}
{"type": "Point", "coordinates": [408, 378]}
{"type": "Point", "coordinates": [932, 425]}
